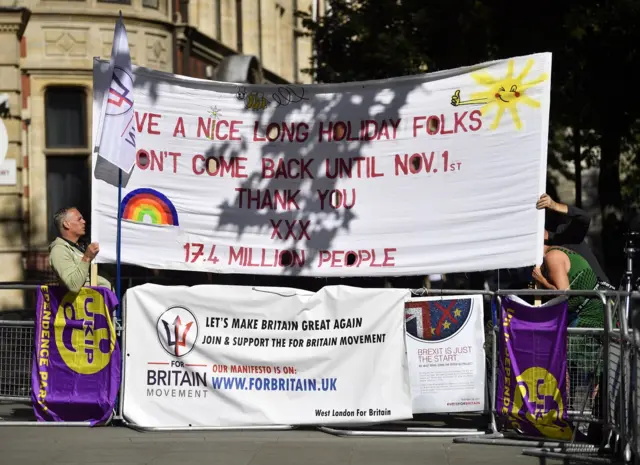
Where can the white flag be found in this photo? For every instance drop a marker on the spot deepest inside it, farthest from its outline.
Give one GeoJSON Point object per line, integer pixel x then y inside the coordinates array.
{"type": "Point", "coordinates": [117, 142]}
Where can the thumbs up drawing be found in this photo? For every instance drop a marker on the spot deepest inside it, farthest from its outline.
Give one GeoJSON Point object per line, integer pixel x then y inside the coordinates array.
{"type": "Point", "coordinates": [455, 98]}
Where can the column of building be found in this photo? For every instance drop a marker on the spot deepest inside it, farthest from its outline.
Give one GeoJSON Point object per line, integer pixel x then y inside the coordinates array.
{"type": "Point", "coordinates": [12, 167]}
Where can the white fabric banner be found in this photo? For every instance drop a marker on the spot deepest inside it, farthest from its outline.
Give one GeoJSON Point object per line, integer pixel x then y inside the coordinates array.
{"type": "Point", "coordinates": [445, 350]}
{"type": "Point", "coordinates": [237, 356]}
{"type": "Point", "coordinates": [436, 173]}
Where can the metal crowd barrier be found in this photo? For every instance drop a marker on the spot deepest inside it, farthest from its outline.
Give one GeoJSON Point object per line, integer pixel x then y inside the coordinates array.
{"type": "Point", "coordinates": [16, 347]}
{"type": "Point", "coordinates": [618, 418]}
{"type": "Point", "coordinates": [619, 354]}
{"type": "Point", "coordinates": [584, 341]}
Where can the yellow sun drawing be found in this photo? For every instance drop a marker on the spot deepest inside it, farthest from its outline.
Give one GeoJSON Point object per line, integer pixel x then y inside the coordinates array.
{"type": "Point", "coordinates": [506, 93]}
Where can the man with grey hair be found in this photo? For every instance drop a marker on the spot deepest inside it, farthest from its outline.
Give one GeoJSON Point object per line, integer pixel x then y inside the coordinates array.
{"type": "Point", "coordinates": [70, 260]}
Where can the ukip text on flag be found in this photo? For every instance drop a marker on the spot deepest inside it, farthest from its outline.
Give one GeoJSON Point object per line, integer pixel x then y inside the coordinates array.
{"type": "Point", "coordinates": [76, 362]}
{"type": "Point", "coordinates": [532, 371]}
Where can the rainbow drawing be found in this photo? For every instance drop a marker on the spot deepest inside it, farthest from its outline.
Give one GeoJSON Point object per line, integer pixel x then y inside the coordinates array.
{"type": "Point", "coordinates": [148, 206]}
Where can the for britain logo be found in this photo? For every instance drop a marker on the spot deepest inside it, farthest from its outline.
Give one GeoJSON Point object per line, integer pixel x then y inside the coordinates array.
{"type": "Point", "coordinates": [177, 331]}
{"type": "Point", "coordinates": [120, 100]}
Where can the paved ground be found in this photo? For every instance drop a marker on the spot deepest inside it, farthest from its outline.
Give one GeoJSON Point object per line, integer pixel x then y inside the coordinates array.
{"type": "Point", "coordinates": [33, 445]}
{"type": "Point", "coordinates": [122, 446]}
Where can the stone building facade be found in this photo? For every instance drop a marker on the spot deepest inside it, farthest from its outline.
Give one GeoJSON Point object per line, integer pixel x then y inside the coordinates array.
{"type": "Point", "coordinates": [46, 90]}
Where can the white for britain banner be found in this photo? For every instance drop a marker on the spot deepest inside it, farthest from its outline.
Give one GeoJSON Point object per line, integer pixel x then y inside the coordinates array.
{"type": "Point", "coordinates": [435, 173]}
{"type": "Point", "coordinates": [207, 356]}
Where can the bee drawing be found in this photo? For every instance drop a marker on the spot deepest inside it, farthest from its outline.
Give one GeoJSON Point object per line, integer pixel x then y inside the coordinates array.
{"type": "Point", "coordinates": [256, 101]}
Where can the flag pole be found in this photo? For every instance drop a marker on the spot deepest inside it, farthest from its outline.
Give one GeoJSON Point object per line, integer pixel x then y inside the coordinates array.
{"type": "Point", "coordinates": [119, 241]}
{"type": "Point", "coordinates": [119, 248]}
{"type": "Point", "coordinates": [94, 275]}
{"type": "Point", "coordinates": [117, 135]}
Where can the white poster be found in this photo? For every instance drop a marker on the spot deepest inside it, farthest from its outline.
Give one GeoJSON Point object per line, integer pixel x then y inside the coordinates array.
{"type": "Point", "coordinates": [435, 173]}
{"type": "Point", "coordinates": [238, 356]}
{"type": "Point", "coordinates": [445, 349]}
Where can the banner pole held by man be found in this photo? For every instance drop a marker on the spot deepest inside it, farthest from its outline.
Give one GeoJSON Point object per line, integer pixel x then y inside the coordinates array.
{"type": "Point", "coordinates": [117, 138]}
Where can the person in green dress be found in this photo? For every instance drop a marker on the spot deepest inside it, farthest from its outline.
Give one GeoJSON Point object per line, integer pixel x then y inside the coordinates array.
{"type": "Point", "coordinates": [565, 269]}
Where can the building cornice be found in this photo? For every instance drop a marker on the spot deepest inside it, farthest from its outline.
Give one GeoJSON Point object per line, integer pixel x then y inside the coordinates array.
{"type": "Point", "coordinates": [4, 27]}
{"type": "Point", "coordinates": [206, 53]}
{"type": "Point", "coordinates": [54, 72]}
{"type": "Point", "coordinates": [272, 77]}
{"type": "Point", "coordinates": [213, 46]}
{"type": "Point", "coordinates": [108, 16]}
{"type": "Point", "coordinates": [14, 20]}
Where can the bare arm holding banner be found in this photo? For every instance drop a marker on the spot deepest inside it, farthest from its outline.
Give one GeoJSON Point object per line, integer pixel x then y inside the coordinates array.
{"type": "Point", "coordinates": [572, 232]}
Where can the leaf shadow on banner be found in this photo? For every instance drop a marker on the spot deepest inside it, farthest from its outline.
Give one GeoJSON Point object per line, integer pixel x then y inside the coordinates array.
{"type": "Point", "coordinates": [324, 223]}
{"type": "Point", "coordinates": [355, 104]}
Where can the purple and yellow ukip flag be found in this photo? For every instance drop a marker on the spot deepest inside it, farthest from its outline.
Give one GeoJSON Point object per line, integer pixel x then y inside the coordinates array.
{"type": "Point", "coordinates": [76, 362]}
{"type": "Point", "coordinates": [532, 388]}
